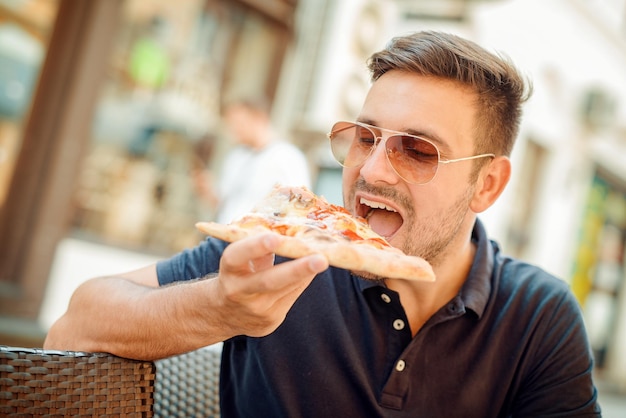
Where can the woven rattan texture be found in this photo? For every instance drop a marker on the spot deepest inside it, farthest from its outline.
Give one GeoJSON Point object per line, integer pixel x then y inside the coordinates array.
{"type": "Point", "coordinates": [188, 385]}
{"type": "Point", "coordinates": [35, 382]}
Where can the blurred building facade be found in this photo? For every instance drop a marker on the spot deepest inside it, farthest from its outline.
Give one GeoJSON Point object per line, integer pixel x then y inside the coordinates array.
{"type": "Point", "coordinates": [566, 207]}
{"type": "Point", "coordinates": [105, 107]}
{"type": "Point", "coordinates": [102, 142]}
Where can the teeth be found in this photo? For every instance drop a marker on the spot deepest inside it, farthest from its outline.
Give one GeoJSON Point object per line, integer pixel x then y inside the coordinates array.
{"type": "Point", "coordinates": [376, 205]}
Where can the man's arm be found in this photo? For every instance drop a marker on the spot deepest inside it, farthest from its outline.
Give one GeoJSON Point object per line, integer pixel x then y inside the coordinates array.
{"type": "Point", "coordinates": [130, 316]}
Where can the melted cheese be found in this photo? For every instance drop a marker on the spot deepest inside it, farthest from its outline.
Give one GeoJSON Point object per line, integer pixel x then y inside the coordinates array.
{"type": "Point", "coordinates": [299, 212]}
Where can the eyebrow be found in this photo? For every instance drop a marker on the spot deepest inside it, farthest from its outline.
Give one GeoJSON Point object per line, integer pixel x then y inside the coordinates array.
{"type": "Point", "coordinates": [441, 144]}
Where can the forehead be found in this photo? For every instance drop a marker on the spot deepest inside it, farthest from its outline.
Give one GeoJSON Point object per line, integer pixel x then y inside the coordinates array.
{"type": "Point", "coordinates": [439, 109]}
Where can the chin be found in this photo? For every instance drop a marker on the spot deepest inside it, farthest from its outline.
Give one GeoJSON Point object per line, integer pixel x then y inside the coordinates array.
{"type": "Point", "coordinates": [368, 276]}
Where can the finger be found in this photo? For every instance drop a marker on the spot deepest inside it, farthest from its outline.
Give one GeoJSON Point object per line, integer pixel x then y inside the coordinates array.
{"type": "Point", "coordinates": [316, 263]}
{"type": "Point", "coordinates": [237, 256]}
{"type": "Point", "coordinates": [294, 274]}
{"type": "Point", "coordinates": [263, 299]}
{"type": "Point", "coordinates": [298, 275]}
{"type": "Point", "coordinates": [313, 265]}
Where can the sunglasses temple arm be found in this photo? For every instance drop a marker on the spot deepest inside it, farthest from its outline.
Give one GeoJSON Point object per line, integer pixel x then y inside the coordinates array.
{"type": "Point", "coordinates": [473, 157]}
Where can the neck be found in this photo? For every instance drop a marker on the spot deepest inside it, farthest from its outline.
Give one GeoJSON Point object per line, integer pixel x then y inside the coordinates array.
{"type": "Point", "coordinates": [261, 141]}
{"type": "Point", "coordinates": [422, 300]}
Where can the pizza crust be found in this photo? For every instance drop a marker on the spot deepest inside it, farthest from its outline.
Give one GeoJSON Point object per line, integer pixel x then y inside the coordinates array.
{"type": "Point", "coordinates": [351, 255]}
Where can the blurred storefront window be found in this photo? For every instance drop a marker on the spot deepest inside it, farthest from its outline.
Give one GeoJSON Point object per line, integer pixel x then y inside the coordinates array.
{"type": "Point", "coordinates": [25, 27]}
{"type": "Point", "coordinates": [158, 114]}
{"type": "Point", "coordinates": [600, 266]}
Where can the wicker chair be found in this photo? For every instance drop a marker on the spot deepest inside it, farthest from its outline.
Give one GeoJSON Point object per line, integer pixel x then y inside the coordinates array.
{"type": "Point", "coordinates": [36, 382]}
{"type": "Point", "coordinates": [188, 385]}
{"type": "Point", "coordinates": [60, 383]}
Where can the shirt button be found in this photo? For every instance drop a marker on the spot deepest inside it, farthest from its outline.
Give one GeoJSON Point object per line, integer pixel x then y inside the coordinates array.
{"type": "Point", "coordinates": [454, 308]}
{"type": "Point", "coordinates": [400, 365]}
{"type": "Point", "coordinates": [398, 324]}
{"type": "Point", "coordinates": [385, 297]}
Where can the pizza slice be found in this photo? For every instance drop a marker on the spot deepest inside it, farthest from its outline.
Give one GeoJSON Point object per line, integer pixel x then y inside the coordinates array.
{"type": "Point", "coordinates": [313, 225]}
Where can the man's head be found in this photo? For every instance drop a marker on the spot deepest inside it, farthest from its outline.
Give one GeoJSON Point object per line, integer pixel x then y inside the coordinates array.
{"type": "Point", "coordinates": [500, 88]}
{"type": "Point", "coordinates": [462, 99]}
{"type": "Point", "coordinates": [248, 120]}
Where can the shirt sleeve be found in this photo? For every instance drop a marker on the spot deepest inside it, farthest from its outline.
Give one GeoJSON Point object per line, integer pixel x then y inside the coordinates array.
{"type": "Point", "coordinates": [559, 383]}
{"type": "Point", "coordinates": [192, 263]}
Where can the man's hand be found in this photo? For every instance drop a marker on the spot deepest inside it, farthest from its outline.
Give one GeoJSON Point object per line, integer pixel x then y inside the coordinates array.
{"type": "Point", "coordinates": [254, 295]}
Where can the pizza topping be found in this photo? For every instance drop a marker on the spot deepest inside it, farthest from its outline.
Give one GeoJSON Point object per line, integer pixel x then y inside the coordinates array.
{"type": "Point", "coordinates": [311, 224]}
{"type": "Point", "coordinates": [301, 200]}
{"type": "Point", "coordinates": [291, 211]}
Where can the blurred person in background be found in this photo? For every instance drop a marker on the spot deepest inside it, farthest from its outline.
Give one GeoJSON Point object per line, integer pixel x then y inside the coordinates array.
{"type": "Point", "coordinates": [492, 336]}
{"type": "Point", "coordinates": [259, 160]}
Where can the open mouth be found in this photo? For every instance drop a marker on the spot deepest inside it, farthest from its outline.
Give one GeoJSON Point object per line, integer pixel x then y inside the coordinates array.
{"type": "Point", "coordinates": [383, 219]}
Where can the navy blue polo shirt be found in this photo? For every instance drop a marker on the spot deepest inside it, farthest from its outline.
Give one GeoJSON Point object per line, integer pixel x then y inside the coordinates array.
{"type": "Point", "coordinates": [511, 343]}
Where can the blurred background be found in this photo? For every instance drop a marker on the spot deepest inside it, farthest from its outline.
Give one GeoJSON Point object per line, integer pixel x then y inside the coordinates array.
{"type": "Point", "coordinates": [106, 106]}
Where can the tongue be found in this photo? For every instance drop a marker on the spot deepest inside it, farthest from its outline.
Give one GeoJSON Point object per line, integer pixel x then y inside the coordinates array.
{"type": "Point", "coordinates": [384, 222]}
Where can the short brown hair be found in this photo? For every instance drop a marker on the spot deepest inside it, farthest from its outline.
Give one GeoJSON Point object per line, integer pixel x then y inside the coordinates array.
{"type": "Point", "coordinates": [500, 87]}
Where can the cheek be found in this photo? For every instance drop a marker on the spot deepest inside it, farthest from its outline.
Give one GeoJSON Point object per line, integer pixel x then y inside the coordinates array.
{"type": "Point", "coordinates": [426, 201]}
{"type": "Point", "coordinates": [349, 177]}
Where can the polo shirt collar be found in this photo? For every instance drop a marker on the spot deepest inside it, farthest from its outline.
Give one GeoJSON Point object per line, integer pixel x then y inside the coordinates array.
{"type": "Point", "coordinates": [475, 292]}
{"type": "Point", "coordinates": [477, 288]}
{"type": "Point", "coordinates": [365, 284]}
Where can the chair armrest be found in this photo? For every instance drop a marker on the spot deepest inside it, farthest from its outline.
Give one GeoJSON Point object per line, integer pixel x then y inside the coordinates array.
{"type": "Point", "coordinates": [68, 383]}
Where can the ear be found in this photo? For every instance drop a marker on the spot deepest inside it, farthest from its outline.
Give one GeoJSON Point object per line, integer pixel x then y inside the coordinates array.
{"type": "Point", "coordinates": [491, 182]}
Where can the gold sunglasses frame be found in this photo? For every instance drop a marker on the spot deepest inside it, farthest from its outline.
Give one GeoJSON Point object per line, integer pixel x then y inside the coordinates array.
{"type": "Point", "coordinates": [380, 139]}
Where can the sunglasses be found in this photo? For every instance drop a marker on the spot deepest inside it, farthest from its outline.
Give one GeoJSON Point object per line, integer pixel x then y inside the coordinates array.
{"type": "Point", "coordinates": [413, 158]}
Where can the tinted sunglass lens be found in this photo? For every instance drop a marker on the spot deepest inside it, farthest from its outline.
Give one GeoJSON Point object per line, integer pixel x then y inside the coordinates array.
{"type": "Point", "coordinates": [351, 144]}
{"type": "Point", "coordinates": [414, 159]}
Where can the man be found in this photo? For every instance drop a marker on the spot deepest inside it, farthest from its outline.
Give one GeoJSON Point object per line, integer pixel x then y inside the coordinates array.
{"type": "Point", "coordinates": [492, 336]}
{"type": "Point", "coordinates": [257, 162]}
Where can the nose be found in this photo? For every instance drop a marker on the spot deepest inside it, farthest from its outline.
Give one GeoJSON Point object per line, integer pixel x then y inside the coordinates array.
{"type": "Point", "coordinates": [377, 167]}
